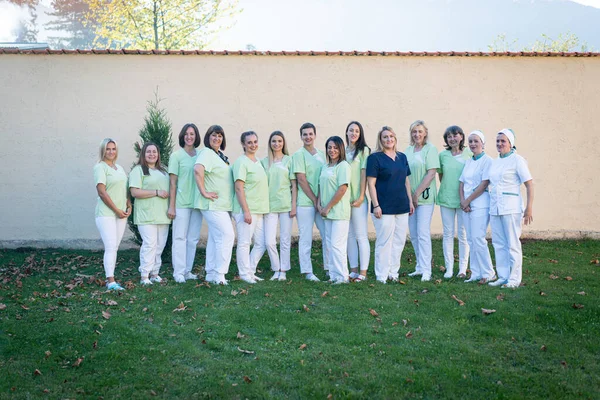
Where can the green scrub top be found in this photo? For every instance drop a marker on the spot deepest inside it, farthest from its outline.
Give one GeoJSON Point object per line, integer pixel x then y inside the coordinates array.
{"type": "Point", "coordinates": [217, 178]}
{"type": "Point", "coordinates": [280, 176]}
{"type": "Point", "coordinates": [116, 188]}
{"type": "Point", "coordinates": [153, 210]}
{"type": "Point", "coordinates": [420, 162]}
{"type": "Point", "coordinates": [451, 167]}
{"type": "Point", "coordinates": [182, 165]}
{"type": "Point", "coordinates": [310, 165]}
{"type": "Point", "coordinates": [357, 164]}
{"type": "Point", "coordinates": [256, 185]}
{"type": "Point", "coordinates": [330, 179]}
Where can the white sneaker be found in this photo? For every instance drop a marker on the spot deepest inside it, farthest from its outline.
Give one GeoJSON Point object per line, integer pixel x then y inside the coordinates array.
{"type": "Point", "coordinates": [392, 278]}
{"type": "Point", "coordinates": [360, 278]}
{"type": "Point", "coordinates": [492, 279]}
{"type": "Point", "coordinates": [511, 285]}
{"type": "Point", "coordinates": [145, 282]}
{"type": "Point", "coordinates": [312, 278]}
{"type": "Point", "coordinates": [448, 274]}
{"type": "Point", "coordinates": [190, 277]}
{"type": "Point", "coordinates": [248, 279]}
{"type": "Point", "coordinates": [257, 278]}
{"type": "Point", "coordinates": [338, 282]}
{"type": "Point", "coordinates": [282, 276]}
{"type": "Point", "coordinates": [156, 279]}
{"type": "Point", "coordinates": [473, 279]}
{"type": "Point", "coordinates": [416, 273]}
{"type": "Point", "coordinates": [381, 281]}
{"type": "Point", "coordinates": [354, 275]}
{"type": "Point", "coordinates": [425, 278]}
{"type": "Point", "coordinates": [498, 282]}
{"type": "Point", "coordinates": [179, 278]}
{"type": "Point", "coordinates": [275, 276]}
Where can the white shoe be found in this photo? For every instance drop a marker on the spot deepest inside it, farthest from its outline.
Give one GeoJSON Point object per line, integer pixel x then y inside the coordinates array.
{"type": "Point", "coordinates": [492, 279]}
{"type": "Point", "coordinates": [393, 278]}
{"type": "Point", "coordinates": [354, 275]}
{"type": "Point", "coordinates": [360, 278]}
{"type": "Point", "coordinates": [190, 277]}
{"type": "Point", "coordinates": [425, 278]}
{"type": "Point", "coordinates": [145, 282]}
{"type": "Point", "coordinates": [179, 278]}
{"type": "Point", "coordinates": [498, 282]}
{"type": "Point", "coordinates": [257, 278]}
{"type": "Point", "coordinates": [282, 276]}
{"type": "Point", "coordinates": [248, 279]}
{"type": "Point", "coordinates": [511, 285]}
{"type": "Point", "coordinates": [381, 281]}
{"type": "Point", "coordinates": [473, 279]}
{"type": "Point", "coordinates": [448, 274]}
{"type": "Point", "coordinates": [156, 279]}
{"type": "Point", "coordinates": [416, 273]}
{"type": "Point", "coordinates": [338, 282]}
{"type": "Point", "coordinates": [275, 276]}
{"type": "Point", "coordinates": [312, 278]}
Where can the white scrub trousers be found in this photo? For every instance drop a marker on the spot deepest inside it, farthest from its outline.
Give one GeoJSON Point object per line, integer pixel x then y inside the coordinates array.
{"type": "Point", "coordinates": [307, 217]}
{"type": "Point", "coordinates": [247, 261]}
{"type": "Point", "coordinates": [391, 232]}
{"type": "Point", "coordinates": [336, 241]}
{"type": "Point", "coordinates": [506, 233]}
{"type": "Point", "coordinates": [219, 245]}
{"type": "Point", "coordinates": [111, 231]}
{"type": "Point", "coordinates": [186, 234]}
{"type": "Point", "coordinates": [449, 217]}
{"type": "Point", "coordinates": [420, 236]}
{"type": "Point", "coordinates": [154, 239]}
{"type": "Point", "coordinates": [476, 223]}
{"type": "Point", "coordinates": [358, 238]}
{"type": "Point", "coordinates": [268, 242]}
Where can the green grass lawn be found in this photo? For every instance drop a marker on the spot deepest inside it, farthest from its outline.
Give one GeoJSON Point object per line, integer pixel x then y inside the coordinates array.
{"type": "Point", "coordinates": [63, 336]}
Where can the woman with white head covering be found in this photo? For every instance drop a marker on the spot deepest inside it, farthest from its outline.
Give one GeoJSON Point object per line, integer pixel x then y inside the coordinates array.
{"type": "Point", "coordinates": [507, 211]}
{"type": "Point", "coordinates": [475, 208]}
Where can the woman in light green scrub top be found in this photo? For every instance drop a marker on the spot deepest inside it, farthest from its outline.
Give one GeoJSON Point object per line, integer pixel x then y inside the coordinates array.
{"type": "Point", "coordinates": [149, 185]}
{"type": "Point", "coordinates": [187, 221]}
{"type": "Point", "coordinates": [112, 208]}
{"type": "Point", "coordinates": [452, 163]}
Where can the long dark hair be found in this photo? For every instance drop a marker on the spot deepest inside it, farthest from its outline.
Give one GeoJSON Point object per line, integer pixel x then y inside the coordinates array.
{"type": "Point", "coordinates": [144, 164]}
{"type": "Point", "coordinates": [184, 131]}
{"type": "Point", "coordinates": [340, 144]}
{"type": "Point", "coordinates": [361, 143]}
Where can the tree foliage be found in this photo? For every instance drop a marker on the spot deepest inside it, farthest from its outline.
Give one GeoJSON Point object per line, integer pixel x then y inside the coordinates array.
{"type": "Point", "coordinates": [157, 128]}
{"type": "Point", "coordinates": [564, 42]}
{"type": "Point", "coordinates": [70, 17]}
{"type": "Point", "coordinates": [27, 30]}
{"type": "Point", "coordinates": [159, 24]}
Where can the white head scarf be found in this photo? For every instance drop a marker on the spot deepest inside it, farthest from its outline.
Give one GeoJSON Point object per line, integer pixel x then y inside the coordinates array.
{"type": "Point", "coordinates": [480, 134]}
{"type": "Point", "coordinates": [509, 134]}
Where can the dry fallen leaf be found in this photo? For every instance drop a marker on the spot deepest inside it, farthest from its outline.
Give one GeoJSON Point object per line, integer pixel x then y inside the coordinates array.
{"type": "Point", "coordinates": [324, 294]}
{"type": "Point", "coordinates": [442, 268]}
{"type": "Point", "coordinates": [581, 293]}
{"type": "Point", "coordinates": [111, 303]}
{"type": "Point", "coordinates": [595, 261]}
{"type": "Point", "coordinates": [373, 312]}
{"type": "Point", "coordinates": [563, 363]}
{"type": "Point", "coordinates": [577, 306]}
{"type": "Point", "coordinates": [24, 307]}
{"type": "Point", "coordinates": [553, 277]}
{"type": "Point", "coordinates": [568, 278]}
{"type": "Point", "coordinates": [234, 293]}
{"type": "Point", "coordinates": [37, 372]}
{"type": "Point", "coordinates": [404, 322]}
{"type": "Point", "coordinates": [302, 347]}
{"type": "Point", "coordinates": [240, 336]}
{"type": "Point", "coordinates": [459, 301]}
{"type": "Point", "coordinates": [394, 323]}
{"type": "Point", "coordinates": [408, 335]}
{"type": "Point", "coordinates": [402, 282]}
{"type": "Point", "coordinates": [153, 393]}
{"type": "Point", "coordinates": [106, 315]}
{"type": "Point", "coordinates": [542, 294]}
{"type": "Point", "coordinates": [329, 396]}
{"type": "Point", "coordinates": [500, 297]}
{"type": "Point", "coordinates": [543, 348]}
{"type": "Point", "coordinates": [305, 308]}
{"type": "Point", "coordinates": [553, 261]}
{"type": "Point", "coordinates": [486, 311]}
{"type": "Point", "coordinates": [2, 306]}
{"type": "Point", "coordinates": [267, 295]}
{"type": "Point", "coordinates": [180, 307]}
{"type": "Point", "coordinates": [47, 353]}
{"type": "Point", "coordinates": [247, 379]}
{"type": "Point", "coordinates": [245, 351]}
{"type": "Point", "coordinates": [77, 362]}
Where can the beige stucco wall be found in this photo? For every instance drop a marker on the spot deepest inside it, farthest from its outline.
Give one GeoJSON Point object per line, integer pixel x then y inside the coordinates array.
{"type": "Point", "coordinates": [55, 109]}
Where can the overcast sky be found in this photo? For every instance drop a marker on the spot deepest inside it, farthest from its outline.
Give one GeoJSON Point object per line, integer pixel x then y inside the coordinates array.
{"type": "Point", "coordinates": [388, 25]}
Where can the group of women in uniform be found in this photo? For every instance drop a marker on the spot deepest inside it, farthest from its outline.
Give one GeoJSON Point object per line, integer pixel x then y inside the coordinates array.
{"type": "Point", "coordinates": [327, 189]}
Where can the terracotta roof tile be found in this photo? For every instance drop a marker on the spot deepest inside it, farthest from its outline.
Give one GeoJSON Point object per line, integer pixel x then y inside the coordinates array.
{"type": "Point", "coordinates": [353, 53]}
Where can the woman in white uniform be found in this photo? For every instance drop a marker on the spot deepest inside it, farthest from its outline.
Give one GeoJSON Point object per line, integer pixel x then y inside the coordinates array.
{"type": "Point", "coordinates": [475, 208]}
{"type": "Point", "coordinates": [187, 221]}
{"type": "Point", "coordinates": [250, 204]}
{"type": "Point", "coordinates": [113, 206]}
{"type": "Point", "coordinates": [391, 204]}
{"type": "Point", "coordinates": [359, 248]}
{"type": "Point", "coordinates": [215, 199]}
{"type": "Point", "coordinates": [282, 206]}
{"type": "Point", "coordinates": [334, 206]}
{"type": "Point", "coordinates": [149, 185]}
{"type": "Point", "coordinates": [423, 161]}
{"type": "Point", "coordinates": [507, 211]}
{"type": "Point", "coordinates": [452, 162]}
{"type": "Point", "coordinates": [306, 165]}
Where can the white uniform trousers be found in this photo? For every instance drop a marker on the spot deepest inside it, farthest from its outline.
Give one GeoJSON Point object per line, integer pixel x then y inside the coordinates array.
{"type": "Point", "coordinates": [336, 242]}
{"type": "Point", "coordinates": [154, 239]}
{"type": "Point", "coordinates": [186, 234]}
{"type": "Point", "coordinates": [391, 232]}
{"type": "Point", "coordinates": [420, 236]}
{"type": "Point", "coordinates": [111, 231]}
{"type": "Point", "coordinates": [279, 262]}
{"type": "Point", "coordinates": [247, 261]}
{"type": "Point", "coordinates": [219, 245]}
{"type": "Point", "coordinates": [358, 238]}
{"type": "Point", "coordinates": [306, 218]}
{"type": "Point", "coordinates": [506, 231]}
{"type": "Point", "coordinates": [476, 223]}
{"type": "Point", "coordinates": [449, 217]}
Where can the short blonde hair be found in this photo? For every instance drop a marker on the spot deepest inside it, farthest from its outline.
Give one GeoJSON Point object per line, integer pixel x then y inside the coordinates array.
{"type": "Point", "coordinates": [413, 126]}
{"type": "Point", "coordinates": [379, 145]}
{"type": "Point", "coordinates": [103, 145]}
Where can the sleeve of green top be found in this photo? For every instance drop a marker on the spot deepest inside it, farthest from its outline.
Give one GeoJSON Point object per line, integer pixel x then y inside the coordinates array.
{"type": "Point", "coordinates": [343, 173]}
{"type": "Point", "coordinates": [135, 177]}
{"type": "Point", "coordinates": [440, 169]}
{"type": "Point", "coordinates": [433, 159]}
{"type": "Point", "coordinates": [298, 165]}
{"type": "Point", "coordinates": [239, 171]}
{"type": "Point", "coordinates": [363, 160]}
{"type": "Point", "coordinates": [99, 174]}
{"type": "Point", "coordinates": [174, 164]}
